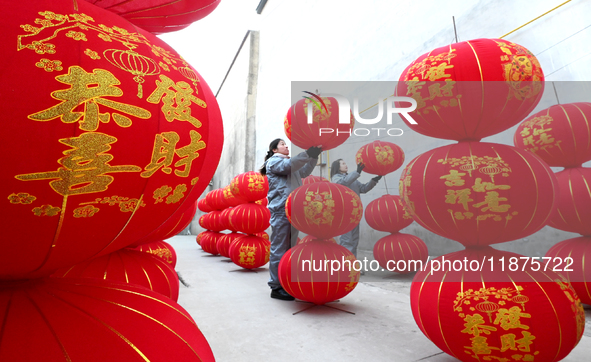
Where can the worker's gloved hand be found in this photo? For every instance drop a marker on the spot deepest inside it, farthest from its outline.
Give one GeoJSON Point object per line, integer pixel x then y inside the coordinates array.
{"type": "Point", "coordinates": [377, 178]}
{"type": "Point", "coordinates": [360, 168]}
{"type": "Point", "coordinates": [314, 151]}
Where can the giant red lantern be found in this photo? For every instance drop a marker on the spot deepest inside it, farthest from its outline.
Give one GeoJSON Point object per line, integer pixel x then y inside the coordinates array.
{"type": "Point", "coordinates": [494, 314]}
{"type": "Point", "coordinates": [115, 137]}
{"type": "Point", "coordinates": [250, 218]}
{"type": "Point", "coordinates": [302, 272]}
{"type": "Point", "coordinates": [570, 256]}
{"type": "Point", "coordinates": [161, 249]}
{"type": "Point", "coordinates": [560, 134]}
{"type": "Point", "coordinates": [401, 253]}
{"type": "Point", "coordinates": [573, 204]}
{"type": "Point", "coordinates": [380, 158]}
{"type": "Point", "coordinates": [479, 193]}
{"type": "Point", "coordinates": [160, 16]}
{"type": "Point", "coordinates": [387, 213]}
{"type": "Point", "coordinates": [472, 89]}
{"type": "Point", "coordinates": [250, 186]}
{"type": "Point", "coordinates": [325, 116]}
{"type": "Point", "coordinates": [324, 209]}
{"type": "Point", "coordinates": [249, 251]}
{"type": "Point", "coordinates": [128, 266]}
{"type": "Point", "coordinates": [94, 320]}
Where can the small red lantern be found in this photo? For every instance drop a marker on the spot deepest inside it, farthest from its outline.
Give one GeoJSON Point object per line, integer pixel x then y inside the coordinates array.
{"type": "Point", "coordinates": [249, 251]}
{"type": "Point", "coordinates": [212, 221]}
{"type": "Point", "coordinates": [94, 321]}
{"type": "Point", "coordinates": [224, 242]}
{"type": "Point", "coordinates": [160, 16]}
{"type": "Point", "coordinates": [250, 218]}
{"type": "Point", "coordinates": [309, 238]}
{"type": "Point", "coordinates": [571, 257]}
{"type": "Point", "coordinates": [263, 202]}
{"type": "Point", "coordinates": [380, 158]}
{"type": "Point", "coordinates": [225, 219]}
{"type": "Point", "coordinates": [472, 89]}
{"type": "Point", "coordinates": [324, 209]}
{"type": "Point", "coordinates": [250, 186]}
{"type": "Point", "coordinates": [263, 235]}
{"type": "Point", "coordinates": [123, 139]}
{"type": "Point", "coordinates": [387, 213]}
{"type": "Point", "coordinates": [560, 134]}
{"type": "Point", "coordinates": [401, 253]}
{"type": "Point", "coordinates": [503, 315]}
{"type": "Point", "coordinates": [479, 193]}
{"type": "Point", "coordinates": [231, 200]}
{"type": "Point", "coordinates": [209, 242]}
{"type": "Point", "coordinates": [161, 249]}
{"type": "Point", "coordinates": [203, 206]}
{"type": "Point", "coordinates": [302, 273]}
{"type": "Point", "coordinates": [325, 116]}
{"type": "Point", "coordinates": [311, 179]}
{"type": "Point", "coordinates": [202, 235]}
{"type": "Point", "coordinates": [573, 204]}
{"type": "Point", "coordinates": [215, 199]}
{"type": "Point", "coordinates": [128, 266]}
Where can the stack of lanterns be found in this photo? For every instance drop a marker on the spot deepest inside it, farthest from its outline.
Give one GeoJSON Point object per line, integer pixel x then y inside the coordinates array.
{"type": "Point", "coordinates": [240, 207]}
{"type": "Point", "coordinates": [560, 136]}
{"type": "Point", "coordinates": [470, 303]}
{"type": "Point", "coordinates": [118, 138]}
{"type": "Point", "coordinates": [320, 209]}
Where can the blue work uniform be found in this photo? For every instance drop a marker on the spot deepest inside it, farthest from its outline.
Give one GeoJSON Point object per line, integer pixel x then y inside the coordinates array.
{"type": "Point", "coordinates": [350, 240]}
{"type": "Point", "coordinates": [284, 175]}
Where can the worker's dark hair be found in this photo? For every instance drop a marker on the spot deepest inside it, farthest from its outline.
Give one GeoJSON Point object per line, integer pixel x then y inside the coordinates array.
{"type": "Point", "coordinates": [335, 167]}
{"type": "Point", "coordinates": [272, 146]}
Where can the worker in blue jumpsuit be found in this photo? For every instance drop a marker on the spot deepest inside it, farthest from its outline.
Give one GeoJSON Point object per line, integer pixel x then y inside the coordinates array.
{"type": "Point", "coordinates": [284, 174]}
{"type": "Point", "coordinates": [339, 174]}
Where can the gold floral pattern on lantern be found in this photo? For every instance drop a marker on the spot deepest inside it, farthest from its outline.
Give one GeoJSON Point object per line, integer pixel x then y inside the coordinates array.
{"type": "Point", "coordinates": [21, 198]}
{"type": "Point", "coordinates": [46, 210]}
{"type": "Point", "coordinates": [49, 65]}
{"type": "Point", "coordinates": [521, 65]}
{"type": "Point", "coordinates": [319, 207]}
{"type": "Point", "coordinates": [85, 211]}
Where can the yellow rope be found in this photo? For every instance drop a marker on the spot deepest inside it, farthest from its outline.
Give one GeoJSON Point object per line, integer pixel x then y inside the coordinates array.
{"type": "Point", "coordinates": [531, 21]}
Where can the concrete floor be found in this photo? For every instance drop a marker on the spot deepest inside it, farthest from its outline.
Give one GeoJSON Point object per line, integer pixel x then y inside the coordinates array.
{"type": "Point", "coordinates": [233, 309]}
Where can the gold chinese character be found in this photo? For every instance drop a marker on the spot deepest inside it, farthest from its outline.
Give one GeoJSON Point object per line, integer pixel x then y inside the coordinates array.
{"type": "Point", "coordinates": [510, 318]}
{"type": "Point", "coordinates": [492, 201]}
{"type": "Point", "coordinates": [89, 89]}
{"type": "Point", "coordinates": [85, 166]}
{"type": "Point", "coordinates": [480, 186]}
{"type": "Point", "coordinates": [438, 72]}
{"type": "Point", "coordinates": [454, 178]}
{"type": "Point", "coordinates": [162, 154]}
{"type": "Point", "coordinates": [480, 346]}
{"type": "Point", "coordinates": [177, 101]}
{"type": "Point", "coordinates": [189, 153]}
{"type": "Point", "coordinates": [475, 325]}
{"type": "Point", "coordinates": [436, 90]}
{"type": "Point", "coordinates": [459, 196]}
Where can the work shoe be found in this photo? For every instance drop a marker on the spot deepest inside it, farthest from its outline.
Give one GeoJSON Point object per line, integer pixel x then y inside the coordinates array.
{"type": "Point", "coordinates": [280, 293]}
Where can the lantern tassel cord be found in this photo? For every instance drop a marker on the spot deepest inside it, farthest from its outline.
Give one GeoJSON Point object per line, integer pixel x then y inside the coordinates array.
{"type": "Point", "coordinates": [531, 21]}
{"type": "Point", "coordinates": [386, 184]}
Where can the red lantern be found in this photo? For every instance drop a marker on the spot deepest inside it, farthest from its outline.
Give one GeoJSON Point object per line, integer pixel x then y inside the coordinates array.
{"type": "Point", "coordinates": [479, 193]}
{"type": "Point", "coordinates": [311, 179]}
{"type": "Point", "coordinates": [215, 199]}
{"type": "Point", "coordinates": [174, 225]}
{"type": "Point", "coordinates": [115, 137]}
{"type": "Point", "coordinates": [160, 16]}
{"type": "Point", "coordinates": [223, 243]}
{"type": "Point", "coordinates": [502, 315]}
{"type": "Point", "coordinates": [387, 213]}
{"type": "Point", "coordinates": [569, 257]}
{"type": "Point", "coordinates": [95, 320]}
{"type": "Point", "coordinates": [263, 235]}
{"type": "Point", "coordinates": [212, 221]}
{"type": "Point", "coordinates": [472, 89]}
{"type": "Point", "coordinates": [573, 204]}
{"type": "Point", "coordinates": [202, 235]}
{"type": "Point", "coordinates": [209, 242]}
{"type": "Point", "coordinates": [249, 251]}
{"type": "Point", "coordinates": [401, 253]}
{"type": "Point", "coordinates": [325, 116]}
{"type": "Point", "coordinates": [128, 266]}
{"type": "Point", "coordinates": [225, 219]}
{"type": "Point", "coordinates": [324, 209]}
{"type": "Point", "coordinates": [203, 206]}
{"type": "Point", "coordinates": [250, 186]}
{"type": "Point", "coordinates": [161, 249]}
{"type": "Point", "coordinates": [560, 134]}
{"type": "Point", "coordinates": [309, 238]}
{"type": "Point", "coordinates": [299, 278]}
{"type": "Point", "coordinates": [250, 218]}
{"type": "Point", "coordinates": [380, 158]}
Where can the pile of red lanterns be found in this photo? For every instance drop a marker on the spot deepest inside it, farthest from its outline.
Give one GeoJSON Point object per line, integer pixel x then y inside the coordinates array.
{"type": "Point", "coordinates": [117, 139]}
{"type": "Point", "coordinates": [481, 194]}
{"type": "Point", "coordinates": [240, 207]}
